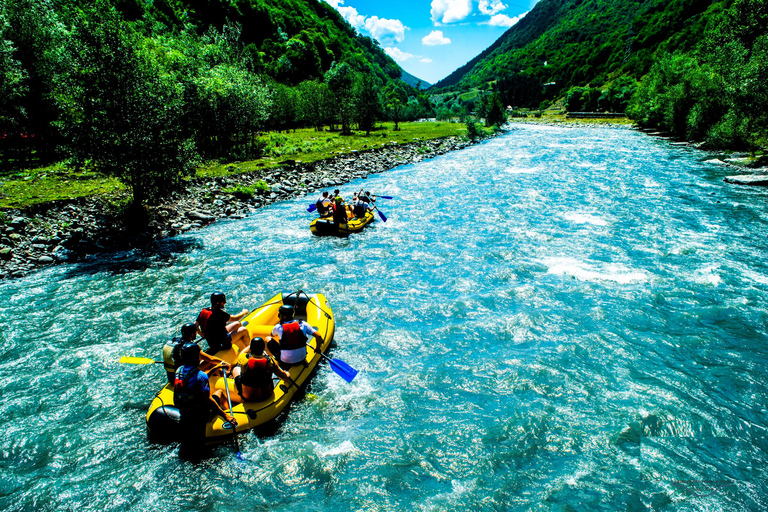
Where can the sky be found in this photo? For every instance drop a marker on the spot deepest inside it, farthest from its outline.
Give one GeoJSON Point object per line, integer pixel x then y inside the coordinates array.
{"type": "Point", "coordinates": [432, 38]}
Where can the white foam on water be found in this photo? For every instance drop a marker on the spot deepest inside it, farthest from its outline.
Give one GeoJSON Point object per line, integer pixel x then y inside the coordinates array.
{"type": "Point", "coordinates": [586, 272]}
{"type": "Point", "coordinates": [585, 218]}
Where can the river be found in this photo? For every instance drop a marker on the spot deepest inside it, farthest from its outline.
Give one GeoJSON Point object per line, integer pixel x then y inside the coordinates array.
{"type": "Point", "coordinates": [556, 319]}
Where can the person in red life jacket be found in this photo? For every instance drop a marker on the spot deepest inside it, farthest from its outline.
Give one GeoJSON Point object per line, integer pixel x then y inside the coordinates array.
{"type": "Point", "coordinates": [339, 212]}
{"type": "Point", "coordinates": [172, 353]}
{"type": "Point", "coordinates": [290, 347]}
{"type": "Point", "coordinates": [192, 396]}
{"type": "Point", "coordinates": [219, 327]}
{"type": "Point", "coordinates": [253, 374]}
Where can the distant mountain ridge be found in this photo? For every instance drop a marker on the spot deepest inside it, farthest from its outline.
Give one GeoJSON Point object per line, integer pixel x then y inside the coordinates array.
{"type": "Point", "coordinates": [414, 81]}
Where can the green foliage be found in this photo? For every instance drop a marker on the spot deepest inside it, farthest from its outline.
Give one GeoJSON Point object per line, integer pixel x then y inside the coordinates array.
{"type": "Point", "coordinates": [717, 93]}
{"type": "Point", "coordinates": [241, 191]}
{"type": "Point", "coordinates": [119, 110]}
{"type": "Point", "coordinates": [261, 186]}
{"type": "Point", "coordinates": [473, 131]}
{"type": "Point", "coordinates": [492, 109]}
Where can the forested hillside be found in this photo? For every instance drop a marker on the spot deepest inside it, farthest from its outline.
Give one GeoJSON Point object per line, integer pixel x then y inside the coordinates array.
{"type": "Point", "coordinates": [694, 68]}
{"type": "Point", "coordinates": [146, 91]}
{"type": "Point", "coordinates": [576, 42]}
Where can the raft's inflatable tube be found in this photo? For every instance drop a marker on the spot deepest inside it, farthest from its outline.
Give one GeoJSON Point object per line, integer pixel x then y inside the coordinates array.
{"type": "Point", "coordinates": [326, 226]}
{"type": "Point", "coordinates": [163, 424]}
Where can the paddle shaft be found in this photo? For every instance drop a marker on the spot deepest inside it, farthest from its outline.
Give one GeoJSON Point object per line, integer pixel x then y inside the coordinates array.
{"type": "Point", "coordinates": [229, 401]}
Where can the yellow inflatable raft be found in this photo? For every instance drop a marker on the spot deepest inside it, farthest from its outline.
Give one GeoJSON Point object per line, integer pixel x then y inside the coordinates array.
{"type": "Point", "coordinates": [325, 226]}
{"type": "Point", "coordinates": [162, 417]}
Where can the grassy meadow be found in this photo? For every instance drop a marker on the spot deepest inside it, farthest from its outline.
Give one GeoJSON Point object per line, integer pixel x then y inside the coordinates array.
{"type": "Point", "coordinates": [23, 188]}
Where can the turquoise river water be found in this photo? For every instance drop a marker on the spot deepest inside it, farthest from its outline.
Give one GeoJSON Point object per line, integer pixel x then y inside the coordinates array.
{"type": "Point", "coordinates": [558, 319]}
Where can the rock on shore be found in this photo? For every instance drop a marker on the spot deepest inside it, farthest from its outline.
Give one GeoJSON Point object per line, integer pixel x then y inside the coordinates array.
{"type": "Point", "coordinates": [67, 231]}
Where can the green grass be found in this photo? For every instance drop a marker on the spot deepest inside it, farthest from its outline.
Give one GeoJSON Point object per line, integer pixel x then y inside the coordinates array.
{"type": "Point", "coordinates": [52, 183]}
{"type": "Point", "coordinates": [45, 184]}
{"type": "Point", "coordinates": [305, 145]}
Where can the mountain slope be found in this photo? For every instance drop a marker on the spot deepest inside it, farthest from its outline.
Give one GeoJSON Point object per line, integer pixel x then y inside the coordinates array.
{"type": "Point", "coordinates": [288, 40]}
{"type": "Point", "coordinates": [576, 42]}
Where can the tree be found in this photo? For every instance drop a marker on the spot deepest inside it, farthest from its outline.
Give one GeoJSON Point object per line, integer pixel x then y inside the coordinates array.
{"type": "Point", "coordinates": [12, 86]}
{"type": "Point", "coordinates": [396, 94]}
{"type": "Point", "coordinates": [314, 103]}
{"type": "Point", "coordinates": [367, 103]}
{"type": "Point", "coordinates": [492, 109]}
{"type": "Point", "coordinates": [340, 79]}
{"type": "Point", "coordinates": [119, 111]}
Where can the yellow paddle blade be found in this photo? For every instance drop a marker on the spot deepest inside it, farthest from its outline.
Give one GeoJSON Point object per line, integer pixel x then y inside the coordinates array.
{"type": "Point", "coordinates": [137, 360]}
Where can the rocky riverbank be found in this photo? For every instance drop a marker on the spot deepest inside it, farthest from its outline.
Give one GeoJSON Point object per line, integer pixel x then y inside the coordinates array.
{"type": "Point", "coordinates": [68, 231]}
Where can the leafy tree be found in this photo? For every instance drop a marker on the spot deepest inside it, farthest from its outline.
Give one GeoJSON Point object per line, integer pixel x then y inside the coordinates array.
{"type": "Point", "coordinates": [492, 109]}
{"type": "Point", "coordinates": [12, 85]}
{"type": "Point", "coordinates": [396, 94]}
{"type": "Point", "coordinates": [119, 112]}
{"type": "Point", "coordinates": [340, 79]}
{"type": "Point", "coordinates": [314, 103]}
{"type": "Point", "coordinates": [367, 103]}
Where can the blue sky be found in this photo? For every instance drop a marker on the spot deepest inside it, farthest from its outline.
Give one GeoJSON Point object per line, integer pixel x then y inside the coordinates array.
{"type": "Point", "coordinates": [432, 38]}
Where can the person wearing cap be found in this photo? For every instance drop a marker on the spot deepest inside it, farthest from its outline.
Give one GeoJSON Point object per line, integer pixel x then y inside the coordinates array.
{"type": "Point", "coordinates": [253, 374]}
{"type": "Point", "coordinates": [219, 327]}
{"type": "Point", "coordinates": [172, 353]}
{"type": "Point", "coordinates": [192, 396]}
{"type": "Point", "coordinates": [290, 337]}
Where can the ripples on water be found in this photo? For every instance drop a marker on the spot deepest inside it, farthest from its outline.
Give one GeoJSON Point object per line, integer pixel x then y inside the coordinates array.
{"type": "Point", "coordinates": [556, 319]}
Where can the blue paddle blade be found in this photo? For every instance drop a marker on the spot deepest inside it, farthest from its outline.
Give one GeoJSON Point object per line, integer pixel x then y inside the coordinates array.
{"type": "Point", "coordinates": [383, 217]}
{"type": "Point", "coordinates": [312, 207]}
{"type": "Point", "coordinates": [342, 369]}
{"type": "Point", "coordinates": [385, 197]}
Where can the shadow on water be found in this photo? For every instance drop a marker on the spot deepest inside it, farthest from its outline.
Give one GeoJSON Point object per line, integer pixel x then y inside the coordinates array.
{"type": "Point", "coordinates": [162, 253]}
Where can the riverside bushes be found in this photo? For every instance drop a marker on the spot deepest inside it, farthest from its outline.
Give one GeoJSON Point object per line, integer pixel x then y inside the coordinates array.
{"type": "Point", "coordinates": [716, 94]}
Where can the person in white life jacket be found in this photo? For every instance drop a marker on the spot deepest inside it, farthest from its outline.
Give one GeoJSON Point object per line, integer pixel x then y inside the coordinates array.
{"type": "Point", "coordinates": [323, 205]}
{"type": "Point", "coordinates": [253, 373]}
{"type": "Point", "coordinates": [172, 353]}
{"type": "Point", "coordinates": [220, 328]}
{"type": "Point", "coordinates": [192, 396]}
{"type": "Point", "coordinates": [290, 337]}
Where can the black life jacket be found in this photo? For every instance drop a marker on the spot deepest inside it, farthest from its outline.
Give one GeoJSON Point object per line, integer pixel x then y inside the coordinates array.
{"type": "Point", "coordinates": [293, 337]}
{"type": "Point", "coordinates": [188, 395]}
{"type": "Point", "coordinates": [321, 208]}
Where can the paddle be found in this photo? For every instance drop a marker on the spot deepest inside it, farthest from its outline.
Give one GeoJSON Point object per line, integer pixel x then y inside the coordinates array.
{"type": "Point", "coordinates": [231, 412]}
{"type": "Point", "coordinates": [138, 360]}
{"type": "Point", "coordinates": [341, 368]}
{"type": "Point", "coordinates": [383, 217]}
{"type": "Point", "coordinates": [385, 197]}
{"type": "Point", "coordinates": [312, 207]}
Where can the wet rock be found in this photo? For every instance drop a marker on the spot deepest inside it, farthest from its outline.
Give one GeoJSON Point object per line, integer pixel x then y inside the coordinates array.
{"type": "Point", "coordinates": [200, 216]}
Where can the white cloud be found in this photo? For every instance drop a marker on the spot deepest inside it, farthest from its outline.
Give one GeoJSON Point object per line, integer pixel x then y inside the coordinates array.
{"type": "Point", "coordinates": [502, 20]}
{"type": "Point", "coordinates": [491, 7]}
{"type": "Point", "coordinates": [351, 15]}
{"type": "Point", "coordinates": [435, 38]}
{"type": "Point", "coordinates": [398, 54]}
{"type": "Point", "coordinates": [450, 11]}
{"type": "Point", "coordinates": [381, 28]}
{"type": "Point", "coordinates": [426, 60]}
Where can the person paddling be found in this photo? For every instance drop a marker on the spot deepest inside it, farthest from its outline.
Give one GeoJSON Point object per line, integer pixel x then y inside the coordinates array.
{"type": "Point", "coordinates": [323, 205]}
{"type": "Point", "coordinates": [192, 396]}
{"type": "Point", "coordinates": [290, 347]}
{"type": "Point", "coordinates": [219, 327]}
{"type": "Point", "coordinates": [172, 353]}
{"type": "Point", "coordinates": [253, 374]}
